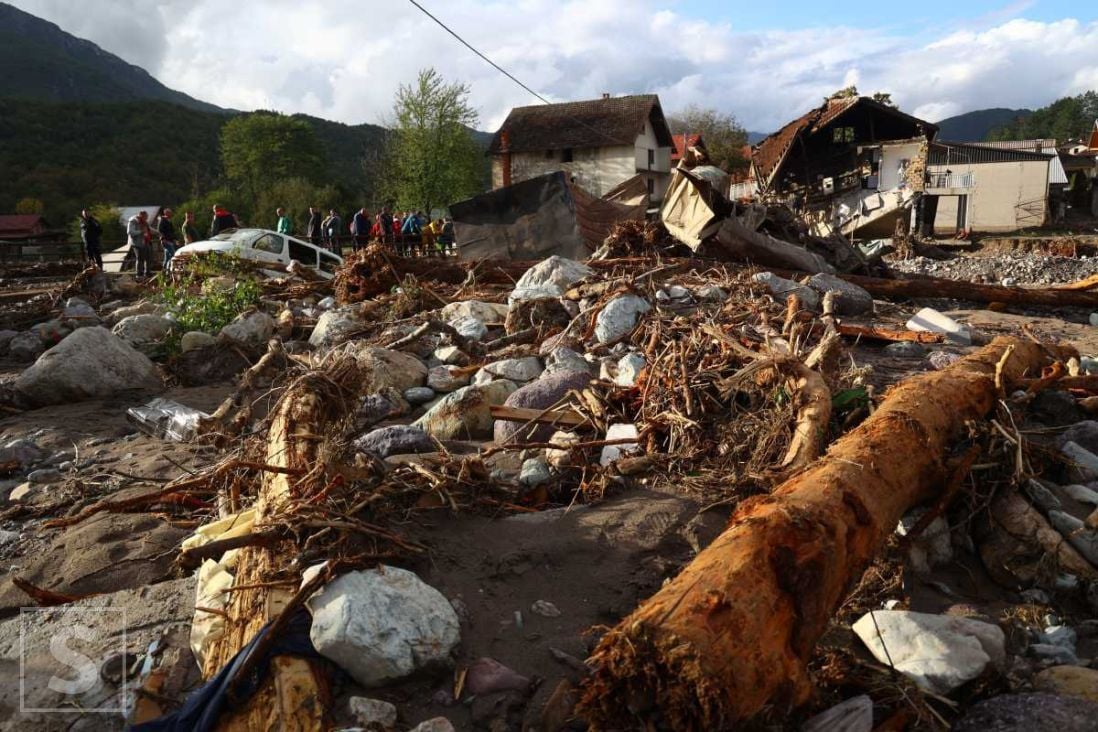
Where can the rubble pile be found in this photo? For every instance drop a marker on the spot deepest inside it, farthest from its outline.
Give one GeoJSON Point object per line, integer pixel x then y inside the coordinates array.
{"type": "Point", "coordinates": [642, 489]}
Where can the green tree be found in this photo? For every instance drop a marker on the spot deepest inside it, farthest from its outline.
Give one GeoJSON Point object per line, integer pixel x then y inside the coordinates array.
{"type": "Point", "coordinates": [1065, 119]}
{"type": "Point", "coordinates": [266, 146]}
{"type": "Point", "coordinates": [432, 159]}
{"type": "Point", "coordinates": [884, 98]}
{"type": "Point", "coordinates": [30, 206]}
{"type": "Point", "coordinates": [723, 136]}
{"type": "Point", "coordinates": [296, 195]}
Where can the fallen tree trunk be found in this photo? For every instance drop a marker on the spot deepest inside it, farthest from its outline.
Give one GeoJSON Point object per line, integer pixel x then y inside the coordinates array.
{"type": "Point", "coordinates": [975, 292]}
{"type": "Point", "coordinates": [295, 694]}
{"type": "Point", "coordinates": [732, 633]}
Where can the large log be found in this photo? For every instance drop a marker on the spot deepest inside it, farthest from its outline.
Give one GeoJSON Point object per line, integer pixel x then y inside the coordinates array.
{"type": "Point", "coordinates": [295, 695]}
{"type": "Point", "coordinates": [732, 633]}
{"type": "Point", "coordinates": [924, 286]}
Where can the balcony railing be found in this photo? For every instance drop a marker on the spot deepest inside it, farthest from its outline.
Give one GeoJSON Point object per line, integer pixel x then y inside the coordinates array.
{"type": "Point", "coordinates": [951, 180]}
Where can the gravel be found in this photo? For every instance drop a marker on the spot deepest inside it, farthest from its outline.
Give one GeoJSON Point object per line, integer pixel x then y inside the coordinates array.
{"type": "Point", "coordinates": [1017, 269]}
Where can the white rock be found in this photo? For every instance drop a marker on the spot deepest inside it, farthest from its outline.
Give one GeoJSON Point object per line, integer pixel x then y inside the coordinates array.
{"type": "Point", "coordinates": [610, 453]}
{"type": "Point", "coordinates": [143, 332]}
{"type": "Point", "coordinates": [372, 713]}
{"type": "Point", "coordinates": [629, 369]}
{"type": "Point", "coordinates": [335, 327]}
{"type": "Point", "coordinates": [470, 327]}
{"type": "Point", "coordinates": [930, 320]}
{"type": "Point", "coordinates": [534, 472]}
{"type": "Point", "coordinates": [519, 370]}
{"type": "Point", "coordinates": [618, 318]}
{"type": "Point", "coordinates": [549, 278]}
{"type": "Point", "coordinates": [196, 339]}
{"type": "Point", "coordinates": [249, 329]}
{"type": "Point", "coordinates": [452, 355]}
{"type": "Point", "coordinates": [782, 288]}
{"type": "Point", "coordinates": [382, 625]}
{"type": "Point", "coordinates": [90, 363]}
{"type": "Point", "coordinates": [932, 547]}
{"type": "Point", "coordinates": [140, 308]}
{"type": "Point", "coordinates": [937, 652]}
{"type": "Point", "coordinates": [446, 378]}
{"type": "Point", "coordinates": [485, 312]}
{"type": "Point", "coordinates": [326, 303]}
{"type": "Point", "coordinates": [678, 292]}
{"type": "Point", "coordinates": [561, 458]}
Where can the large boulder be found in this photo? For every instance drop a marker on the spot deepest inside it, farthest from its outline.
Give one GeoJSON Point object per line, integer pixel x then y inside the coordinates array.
{"type": "Point", "coordinates": [251, 330]}
{"type": "Point", "coordinates": [143, 332]}
{"type": "Point", "coordinates": [937, 652]}
{"type": "Point", "coordinates": [6, 337]}
{"type": "Point", "coordinates": [540, 394]}
{"type": "Point", "coordinates": [549, 278]}
{"type": "Point", "coordinates": [619, 317]}
{"type": "Point", "coordinates": [90, 363]}
{"type": "Point", "coordinates": [382, 625]}
{"type": "Point", "coordinates": [385, 368]}
{"type": "Point", "coordinates": [465, 413]}
{"type": "Point", "coordinates": [335, 327]}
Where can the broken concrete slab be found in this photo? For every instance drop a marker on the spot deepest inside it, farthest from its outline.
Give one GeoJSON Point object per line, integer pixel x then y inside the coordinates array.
{"type": "Point", "coordinates": [930, 320]}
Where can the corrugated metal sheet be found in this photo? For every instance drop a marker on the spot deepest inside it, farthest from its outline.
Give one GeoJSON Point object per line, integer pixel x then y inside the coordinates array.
{"type": "Point", "coordinates": [1056, 173]}
{"type": "Point", "coordinates": [950, 153]}
{"type": "Point", "coordinates": [1046, 146]}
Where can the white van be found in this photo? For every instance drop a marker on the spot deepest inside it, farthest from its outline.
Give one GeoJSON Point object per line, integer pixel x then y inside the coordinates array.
{"type": "Point", "coordinates": [264, 245]}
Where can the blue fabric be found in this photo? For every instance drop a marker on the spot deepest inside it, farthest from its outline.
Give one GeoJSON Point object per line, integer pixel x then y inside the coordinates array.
{"type": "Point", "coordinates": [202, 708]}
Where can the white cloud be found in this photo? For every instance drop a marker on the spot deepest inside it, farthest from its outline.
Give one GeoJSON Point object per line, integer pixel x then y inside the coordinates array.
{"type": "Point", "coordinates": [344, 59]}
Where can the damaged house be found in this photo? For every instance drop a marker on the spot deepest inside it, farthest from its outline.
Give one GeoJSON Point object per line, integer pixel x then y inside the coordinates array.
{"type": "Point", "coordinates": [852, 165]}
{"type": "Point", "coordinates": [599, 144]}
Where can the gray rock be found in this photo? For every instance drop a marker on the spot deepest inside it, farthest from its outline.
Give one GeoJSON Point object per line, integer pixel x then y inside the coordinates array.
{"type": "Point", "coordinates": [939, 360]}
{"type": "Point", "coordinates": [782, 288]}
{"type": "Point", "coordinates": [489, 676]}
{"type": "Point", "coordinates": [534, 472]}
{"type": "Point", "coordinates": [1083, 433]}
{"type": "Point", "coordinates": [540, 394]}
{"type": "Point", "coordinates": [378, 407]}
{"type": "Point", "coordinates": [549, 278]}
{"type": "Point", "coordinates": [485, 312]}
{"type": "Point", "coordinates": [1029, 713]}
{"type": "Point", "coordinates": [711, 293]}
{"type": "Point", "coordinates": [5, 340]}
{"type": "Point", "coordinates": [1055, 408]}
{"type": "Point", "coordinates": [905, 349]}
{"type": "Point", "coordinates": [469, 327]}
{"type": "Point", "coordinates": [196, 339]}
{"type": "Point", "coordinates": [937, 652]}
{"type": "Point", "coordinates": [519, 370]}
{"type": "Point", "coordinates": [140, 308]}
{"type": "Point", "coordinates": [382, 625]}
{"type": "Point", "coordinates": [22, 450]}
{"type": "Point", "coordinates": [335, 327]}
{"type": "Point", "coordinates": [419, 394]}
{"type": "Point", "coordinates": [565, 359]}
{"type": "Point", "coordinates": [44, 475]}
{"type": "Point", "coordinates": [372, 713]}
{"type": "Point", "coordinates": [51, 332]}
{"type": "Point", "coordinates": [89, 364]}
{"type": "Point", "coordinates": [79, 314]}
{"type": "Point", "coordinates": [446, 378]}
{"type": "Point", "coordinates": [619, 317]}
{"type": "Point", "coordinates": [1057, 635]}
{"type": "Point", "coordinates": [143, 332]}
{"type": "Point", "coordinates": [385, 368]}
{"type": "Point", "coordinates": [932, 548]}
{"type": "Point", "coordinates": [1077, 533]}
{"type": "Point", "coordinates": [251, 330]}
{"type": "Point", "coordinates": [436, 724]}
{"type": "Point", "coordinates": [1053, 653]}
{"type": "Point", "coordinates": [465, 413]}
{"type": "Point", "coordinates": [395, 440]}
{"type": "Point", "coordinates": [852, 300]}
{"type": "Point", "coordinates": [26, 346]}
{"type": "Point", "coordinates": [452, 355]}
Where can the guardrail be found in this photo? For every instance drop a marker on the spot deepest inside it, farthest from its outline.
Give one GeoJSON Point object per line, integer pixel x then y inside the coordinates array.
{"type": "Point", "coordinates": [40, 251]}
{"type": "Point", "coordinates": [952, 180]}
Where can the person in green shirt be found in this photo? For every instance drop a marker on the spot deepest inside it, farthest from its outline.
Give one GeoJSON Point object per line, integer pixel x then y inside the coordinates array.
{"type": "Point", "coordinates": [283, 221]}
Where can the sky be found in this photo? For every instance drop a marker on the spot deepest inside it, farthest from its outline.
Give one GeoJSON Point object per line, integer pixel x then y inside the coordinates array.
{"type": "Point", "coordinates": [764, 62]}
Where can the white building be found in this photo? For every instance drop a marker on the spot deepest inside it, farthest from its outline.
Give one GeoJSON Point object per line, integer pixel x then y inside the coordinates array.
{"type": "Point", "coordinates": [599, 143]}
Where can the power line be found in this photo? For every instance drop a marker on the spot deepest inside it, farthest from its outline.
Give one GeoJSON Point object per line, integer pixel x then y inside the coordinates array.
{"type": "Point", "coordinates": [465, 43]}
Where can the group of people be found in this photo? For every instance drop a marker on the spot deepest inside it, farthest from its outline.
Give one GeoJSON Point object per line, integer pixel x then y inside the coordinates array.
{"type": "Point", "coordinates": [139, 234]}
{"type": "Point", "coordinates": [409, 232]}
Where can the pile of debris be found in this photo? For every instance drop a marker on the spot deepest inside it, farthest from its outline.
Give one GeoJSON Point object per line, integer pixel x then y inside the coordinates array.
{"type": "Point", "coordinates": [409, 500]}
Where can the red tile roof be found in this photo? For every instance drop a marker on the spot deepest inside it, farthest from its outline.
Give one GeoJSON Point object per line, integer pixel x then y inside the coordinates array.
{"type": "Point", "coordinates": [20, 223]}
{"type": "Point", "coordinates": [681, 143]}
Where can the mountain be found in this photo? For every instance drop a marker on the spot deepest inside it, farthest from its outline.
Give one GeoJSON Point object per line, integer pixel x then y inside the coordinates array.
{"type": "Point", "coordinates": [754, 138]}
{"type": "Point", "coordinates": [43, 63]}
{"type": "Point", "coordinates": [975, 126]}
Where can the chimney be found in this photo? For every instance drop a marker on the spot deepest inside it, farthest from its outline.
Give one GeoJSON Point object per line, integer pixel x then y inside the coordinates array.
{"type": "Point", "coordinates": [606, 95]}
{"type": "Point", "coordinates": [505, 156]}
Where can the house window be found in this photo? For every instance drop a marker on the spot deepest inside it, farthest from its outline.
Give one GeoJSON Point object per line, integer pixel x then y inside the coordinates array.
{"type": "Point", "coordinates": [651, 185]}
{"type": "Point", "coordinates": [566, 155]}
{"type": "Point", "coordinates": [840, 135]}
{"type": "Point", "coordinates": [651, 159]}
